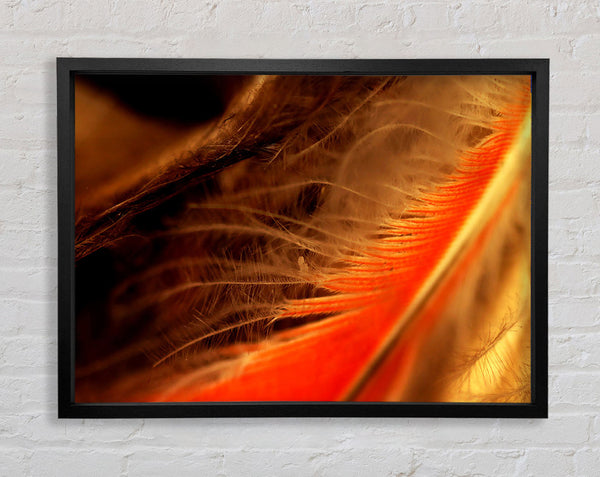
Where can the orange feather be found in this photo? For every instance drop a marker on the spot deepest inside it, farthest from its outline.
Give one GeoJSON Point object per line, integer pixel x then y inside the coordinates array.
{"type": "Point", "coordinates": [347, 356]}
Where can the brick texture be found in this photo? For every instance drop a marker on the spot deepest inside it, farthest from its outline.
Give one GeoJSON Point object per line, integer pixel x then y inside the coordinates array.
{"type": "Point", "coordinates": [34, 442]}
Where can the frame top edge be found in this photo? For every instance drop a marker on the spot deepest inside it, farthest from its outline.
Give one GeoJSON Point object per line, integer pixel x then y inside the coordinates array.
{"type": "Point", "coordinates": [307, 66]}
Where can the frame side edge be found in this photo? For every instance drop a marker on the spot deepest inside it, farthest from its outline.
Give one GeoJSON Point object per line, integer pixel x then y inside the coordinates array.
{"type": "Point", "coordinates": [66, 236]}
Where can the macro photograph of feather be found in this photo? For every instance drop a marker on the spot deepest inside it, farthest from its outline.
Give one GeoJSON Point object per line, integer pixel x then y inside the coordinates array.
{"type": "Point", "coordinates": [302, 238]}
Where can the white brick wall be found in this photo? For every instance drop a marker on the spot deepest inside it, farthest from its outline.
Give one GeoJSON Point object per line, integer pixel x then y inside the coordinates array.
{"type": "Point", "coordinates": [33, 33]}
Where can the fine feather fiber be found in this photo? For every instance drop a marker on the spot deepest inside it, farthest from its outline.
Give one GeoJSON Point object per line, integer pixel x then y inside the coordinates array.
{"type": "Point", "coordinates": [319, 238]}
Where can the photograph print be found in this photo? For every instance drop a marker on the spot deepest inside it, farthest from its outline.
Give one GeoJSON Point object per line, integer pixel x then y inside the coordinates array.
{"type": "Point", "coordinates": [302, 238]}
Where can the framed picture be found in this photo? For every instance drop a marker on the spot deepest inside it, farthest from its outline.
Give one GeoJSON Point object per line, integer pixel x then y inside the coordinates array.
{"type": "Point", "coordinates": [302, 237]}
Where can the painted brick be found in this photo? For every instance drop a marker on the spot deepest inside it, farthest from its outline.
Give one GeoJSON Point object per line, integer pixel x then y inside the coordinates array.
{"type": "Point", "coordinates": [576, 389]}
{"type": "Point", "coordinates": [574, 312]}
{"type": "Point", "coordinates": [44, 15]}
{"type": "Point", "coordinates": [587, 461]}
{"type": "Point", "coordinates": [380, 17]}
{"type": "Point", "coordinates": [15, 462]}
{"type": "Point", "coordinates": [575, 165]}
{"type": "Point", "coordinates": [189, 463]}
{"type": "Point", "coordinates": [468, 462]}
{"type": "Point", "coordinates": [573, 204]}
{"type": "Point", "coordinates": [575, 350]}
{"type": "Point", "coordinates": [548, 462]}
{"type": "Point", "coordinates": [575, 279]}
{"type": "Point", "coordinates": [61, 462]}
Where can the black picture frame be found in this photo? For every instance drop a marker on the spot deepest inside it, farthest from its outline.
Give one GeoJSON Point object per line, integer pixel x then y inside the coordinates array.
{"type": "Point", "coordinates": [67, 68]}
